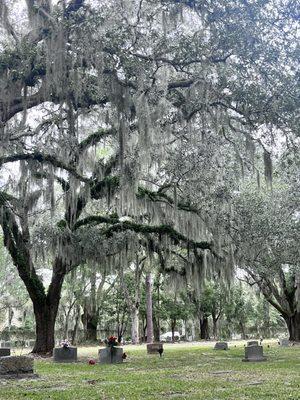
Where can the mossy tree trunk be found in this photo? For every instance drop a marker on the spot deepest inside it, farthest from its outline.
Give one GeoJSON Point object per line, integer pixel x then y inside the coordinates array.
{"type": "Point", "coordinates": [45, 304]}
{"type": "Point", "coordinates": [283, 297]}
{"type": "Point", "coordinates": [293, 325]}
{"type": "Point", "coordinates": [90, 316]}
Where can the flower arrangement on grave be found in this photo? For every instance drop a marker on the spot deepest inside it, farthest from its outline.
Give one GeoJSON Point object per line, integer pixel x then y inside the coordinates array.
{"type": "Point", "coordinates": [65, 344]}
{"type": "Point", "coordinates": [112, 341]}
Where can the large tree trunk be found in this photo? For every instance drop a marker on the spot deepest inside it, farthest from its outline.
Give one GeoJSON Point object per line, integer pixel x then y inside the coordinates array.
{"type": "Point", "coordinates": [45, 311]}
{"type": "Point", "coordinates": [45, 316]}
{"type": "Point", "coordinates": [90, 322]}
{"type": "Point", "coordinates": [149, 308]}
{"type": "Point", "coordinates": [204, 334]}
{"type": "Point", "coordinates": [293, 325]}
{"type": "Point", "coordinates": [45, 305]}
{"type": "Point", "coordinates": [91, 329]}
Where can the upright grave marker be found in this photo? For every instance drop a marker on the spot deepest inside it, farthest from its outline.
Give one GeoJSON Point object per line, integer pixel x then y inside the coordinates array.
{"type": "Point", "coordinates": [66, 353]}
{"type": "Point", "coordinates": [254, 353]}
{"type": "Point", "coordinates": [112, 353]}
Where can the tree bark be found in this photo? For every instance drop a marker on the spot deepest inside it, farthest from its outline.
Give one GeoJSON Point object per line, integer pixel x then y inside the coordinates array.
{"type": "Point", "coordinates": [243, 332]}
{"type": "Point", "coordinates": [173, 327]}
{"type": "Point", "coordinates": [215, 327]}
{"type": "Point", "coordinates": [293, 325]}
{"type": "Point", "coordinates": [149, 308]}
{"type": "Point", "coordinates": [204, 328]}
{"type": "Point", "coordinates": [74, 333]}
{"type": "Point", "coordinates": [45, 311]}
{"type": "Point", "coordinates": [135, 326]}
{"type": "Point", "coordinates": [90, 322]}
{"type": "Point", "coordinates": [45, 316]}
{"type": "Point", "coordinates": [91, 312]}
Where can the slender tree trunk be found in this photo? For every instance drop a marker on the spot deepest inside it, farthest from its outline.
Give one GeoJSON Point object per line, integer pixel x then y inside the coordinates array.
{"type": "Point", "coordinates": [149, 308]}
{"type": "Point", "coordinates": [66, 327]}
{"type": "Point", "coordinates": [74, 333]}
{"type": "Point", "coordinates": [243, 332]}
{"type": "Point", "coordinates": [144, 326]}
{"type": "Point", "coordinates": [173, 326]}
{"type": "Point", "coordinates": [135, 325]}
{"type": "Point", "coordinates": [156, 318]}
{"type": "Point", "coordinates": [266, 327]}
{"type": "Point", "coordinates": [156, 329]}
{"type": "Point", "coordinates": [215, 327]}
{"type": "Point", "coordinates": [293, 325]}
{"type": "Point", "coordinates": [121, 330]}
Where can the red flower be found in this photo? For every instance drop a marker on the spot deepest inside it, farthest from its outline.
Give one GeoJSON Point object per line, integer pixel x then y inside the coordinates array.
{"type": "Point", "coordinates": [92, 362]}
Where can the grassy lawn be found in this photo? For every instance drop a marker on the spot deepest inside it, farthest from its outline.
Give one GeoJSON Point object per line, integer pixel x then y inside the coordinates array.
{"type": "Point", "coordinates": [186, 371]}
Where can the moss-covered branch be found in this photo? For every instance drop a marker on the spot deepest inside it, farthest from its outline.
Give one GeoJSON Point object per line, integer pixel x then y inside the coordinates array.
{"type": "Point", "coordinates": [95, 138]}
{"type": "Point", "coordinates": [120, 226]}
{"type": "Point", "coordinates": [44, 158]}
{"type": "Point", "coordinates": [161, 196]}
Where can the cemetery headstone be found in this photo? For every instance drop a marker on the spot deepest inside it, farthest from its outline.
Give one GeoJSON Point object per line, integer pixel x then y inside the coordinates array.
{"type": "Point", "coordinates": [66, 353]}
{"type": "Point", "coordinates": [4, 352]}
{"type": "Point", "coordinates": [284, 342]}
{"type": "Point", "coordinates": [6, 344]}
{"type": "Point", "coordinates": [252, 343]}
{"type": "Point", "coordinates": [112, 353]}
{"type": "Point", "coordinates": [14, 366]}
{"type": "Point", "coordinates": [254, 353]}
{"type": "Point", "coordinates": [221, 346]}
{"type": "Point", "coordinates": [154, 348]}
{"type": "Point", "coordinates": [62, 354]}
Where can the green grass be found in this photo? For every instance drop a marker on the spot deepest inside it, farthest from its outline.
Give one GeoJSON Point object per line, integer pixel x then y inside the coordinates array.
{"type": "Point", "coordinates": [184, 372]}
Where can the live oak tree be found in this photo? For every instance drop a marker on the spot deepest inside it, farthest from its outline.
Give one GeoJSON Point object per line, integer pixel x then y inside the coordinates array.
{"type": "Point", "coordinates": [267, 235]}
{"type": "Point", "coordinates": [94, 98]}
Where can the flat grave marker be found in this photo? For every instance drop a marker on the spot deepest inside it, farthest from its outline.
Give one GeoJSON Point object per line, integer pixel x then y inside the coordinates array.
{"type": "Point", "coordinates": [4, 351]}
{"type": "Point", "coordinates": [16, 367]}
{"type": "Point", "coordinates": [155, 348]}
{"type": "Point", "coordinates": [221, 346]}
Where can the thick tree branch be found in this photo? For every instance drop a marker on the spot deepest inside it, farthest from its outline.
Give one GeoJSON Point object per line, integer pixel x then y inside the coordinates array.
{"type": "Point", "coordinates": [44, 158]}
{"type": "Point", "coordinates": [121, 226]}
{"type": "Point", "coordinates": [95, 138]}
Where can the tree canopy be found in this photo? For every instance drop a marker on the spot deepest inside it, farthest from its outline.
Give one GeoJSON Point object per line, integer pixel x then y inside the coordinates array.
{"type": "Point", "coordinates": [127, 125]}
